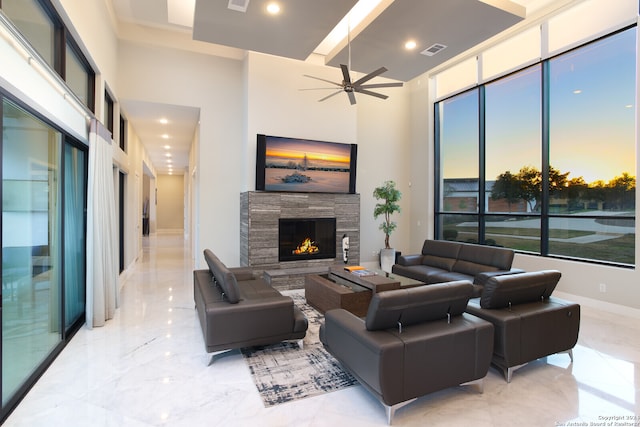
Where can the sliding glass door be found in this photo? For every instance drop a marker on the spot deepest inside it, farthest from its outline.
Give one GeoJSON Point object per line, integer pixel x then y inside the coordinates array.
{"type": "Point", "coordinates": [44, 176]}
{"type": "Point", "coordinates": [30, 245]}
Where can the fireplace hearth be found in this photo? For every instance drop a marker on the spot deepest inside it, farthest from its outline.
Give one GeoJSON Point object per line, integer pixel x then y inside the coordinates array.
{"type": "Point", "coordinates": [306, 238]}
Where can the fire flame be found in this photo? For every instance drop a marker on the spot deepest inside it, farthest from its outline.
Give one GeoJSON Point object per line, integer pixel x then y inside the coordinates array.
{"type": "Point", "coordinates": [306, 247]}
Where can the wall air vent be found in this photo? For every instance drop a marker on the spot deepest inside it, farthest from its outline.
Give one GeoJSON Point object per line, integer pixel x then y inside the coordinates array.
{"type": "Point", "coordinates": [239, 5]}
{"type": "Point", "coordinates": [433, 49]}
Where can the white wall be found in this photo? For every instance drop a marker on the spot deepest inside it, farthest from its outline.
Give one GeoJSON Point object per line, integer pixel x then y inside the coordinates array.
{"type": "Point", "coordinates": [214, 85]}
{"type": "Point", "coordinates": [277, 106]}
{"type": "Point", "coordinates": [384, 153]}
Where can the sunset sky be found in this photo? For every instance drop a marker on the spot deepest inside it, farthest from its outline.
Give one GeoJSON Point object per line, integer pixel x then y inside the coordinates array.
{"type": "Point", "coordinates": [295, 149]}
{"type": "Point", "coordinates": [592, 125]}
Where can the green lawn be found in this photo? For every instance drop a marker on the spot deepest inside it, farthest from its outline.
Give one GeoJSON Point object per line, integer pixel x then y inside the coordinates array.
{"type": "Point", "coordinates": [618, 249]}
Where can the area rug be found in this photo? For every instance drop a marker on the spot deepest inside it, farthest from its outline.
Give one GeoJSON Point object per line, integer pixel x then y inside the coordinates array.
{"type": "Point", "coordinates": [284, 372]}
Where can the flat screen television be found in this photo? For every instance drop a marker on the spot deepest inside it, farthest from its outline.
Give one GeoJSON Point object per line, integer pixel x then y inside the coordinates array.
{"type": "Point", "coordinates": [303, 165]}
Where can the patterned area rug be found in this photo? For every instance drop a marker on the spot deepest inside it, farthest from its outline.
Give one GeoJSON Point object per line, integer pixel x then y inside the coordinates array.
{"type": "Point", "coordinates": [284, 372]}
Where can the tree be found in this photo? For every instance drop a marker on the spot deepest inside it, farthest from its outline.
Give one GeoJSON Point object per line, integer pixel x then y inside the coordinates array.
{"type": "Point", "coordinates": [577, 193]}
{"type": "Point", "coordinates": [507, 186]}
{"type": "Point", "coordinates": [622, 190]}
{"type": "Point", "coordinates": [557, 181]}
{"type": "Point", "coordinates": [530, 180]}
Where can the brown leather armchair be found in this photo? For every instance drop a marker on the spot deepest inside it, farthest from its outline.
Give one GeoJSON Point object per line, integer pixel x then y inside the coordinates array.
{"type": "Point", "coordinates": [529, 323]}
{"type": "Point", "coordinates": [411, 343]}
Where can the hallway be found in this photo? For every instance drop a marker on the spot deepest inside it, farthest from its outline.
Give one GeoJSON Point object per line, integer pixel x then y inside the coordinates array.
{"type": "Point", "coordinates": [148, 367]}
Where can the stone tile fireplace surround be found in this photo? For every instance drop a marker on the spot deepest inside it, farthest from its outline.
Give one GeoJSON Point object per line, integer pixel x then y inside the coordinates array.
{"type": "Point", "coordinates": [259, 216]}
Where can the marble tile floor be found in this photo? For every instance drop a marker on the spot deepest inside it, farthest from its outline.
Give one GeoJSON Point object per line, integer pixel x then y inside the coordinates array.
{"type": "Point", "coordinates": [148, 367]}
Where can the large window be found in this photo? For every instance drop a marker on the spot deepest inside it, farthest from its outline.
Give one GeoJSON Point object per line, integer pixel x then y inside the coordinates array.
{"type": "Point", "coordinates": [592, 150]}
{"type": "Point", "coordinates": [39, 23]}
{"type": "Point", "coordinates": [109, 113]}
{"type": "Point", "coordinates": [78, 75]}
{"type": "Point", "coordinates": [457, 123]}
{"type": "Point", "coordinates": [35, 23]}
{"type": "Point", "coordinates": [543, 160]}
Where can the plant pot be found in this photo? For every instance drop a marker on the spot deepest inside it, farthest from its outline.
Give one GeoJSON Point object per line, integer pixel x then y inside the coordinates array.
{"type": "Point", "coordinates": [387, 259]}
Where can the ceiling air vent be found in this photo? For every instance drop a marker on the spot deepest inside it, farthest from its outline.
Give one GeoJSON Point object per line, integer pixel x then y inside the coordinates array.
{"type": "Point", "coordinates": [433, 49]}
{"type": "Point", "coordinates": [239, 5]}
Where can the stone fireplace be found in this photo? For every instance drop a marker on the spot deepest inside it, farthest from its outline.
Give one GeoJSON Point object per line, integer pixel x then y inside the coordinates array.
{"type": "Point", "coordinates": [261, 214]}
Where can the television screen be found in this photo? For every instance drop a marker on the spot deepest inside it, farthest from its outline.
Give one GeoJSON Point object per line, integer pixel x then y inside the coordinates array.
{"type": "Point", "coordinates": [302, 165]}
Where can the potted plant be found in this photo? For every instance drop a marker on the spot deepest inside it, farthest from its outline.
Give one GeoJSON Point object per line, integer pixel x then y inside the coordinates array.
{"type": "Point", "coordinates": [388, 195]}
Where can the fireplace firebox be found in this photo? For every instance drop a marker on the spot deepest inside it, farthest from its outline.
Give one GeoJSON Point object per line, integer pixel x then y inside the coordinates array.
{"type": "Point", "coordinates": [306, 238]}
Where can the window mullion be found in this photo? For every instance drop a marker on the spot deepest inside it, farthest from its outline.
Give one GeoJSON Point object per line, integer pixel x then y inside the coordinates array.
{"type": "Point", "coordinates": [544, 205]}
{"type": "Point", "coordinates": [481, 165]}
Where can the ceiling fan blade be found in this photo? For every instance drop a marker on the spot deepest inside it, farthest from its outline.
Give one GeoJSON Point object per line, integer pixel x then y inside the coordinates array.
{"type": "Point", "coordinates": [318, 88]}
{"type": "Point", "coordinates": [345, 73]}
{"type": "Point", "coordinates": [352, 98]}
{"type": "Point", "coordinates": [329, 96]}
{"type": "Point", "coordinates": [381, 85]}
{"type": "Point", "coordinates": [323, 80]}
{"type": "Point", "coordinates": [368, 92]}
{"type": "Point", "coordinates": [369, 76]}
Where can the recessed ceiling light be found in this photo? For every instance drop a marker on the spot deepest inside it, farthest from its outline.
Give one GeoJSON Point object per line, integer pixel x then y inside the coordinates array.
{"type": "Point", "coordinates": [164, 121]}
{"type": "Point", "coordinates": [165, 136]}
{"type": "Point", "coordinates": [169, 161]}
{"type": "Point", "coordinates": [166, 147]}
{"type": "Point", "coordinates": [577, 91]}
{"type": "Point", "coordinates": [411, 44]}
{"type": "Point", "coordinates": [273, 8]}
{"type": "Point", "coordinates": [167, 154]}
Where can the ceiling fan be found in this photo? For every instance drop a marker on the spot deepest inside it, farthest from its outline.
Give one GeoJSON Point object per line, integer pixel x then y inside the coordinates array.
{"type": "Point", "coordinates": [351, 87]}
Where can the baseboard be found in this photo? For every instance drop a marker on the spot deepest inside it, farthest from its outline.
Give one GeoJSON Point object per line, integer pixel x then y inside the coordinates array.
{"type": "Point", "coordinates": [600, 305]}
{"type": "Point", "coordinates": [172, 231]}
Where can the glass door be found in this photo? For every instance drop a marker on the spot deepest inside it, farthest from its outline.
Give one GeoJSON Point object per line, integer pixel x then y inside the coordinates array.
{"type": "Point", "coordinates": [75, 194]}
{"type": "Point", "coordinates": [31, 219]}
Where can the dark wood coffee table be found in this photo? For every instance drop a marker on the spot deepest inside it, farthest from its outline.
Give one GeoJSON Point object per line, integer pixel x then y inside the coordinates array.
{"type": "Point", "coordinates": [343, 289]}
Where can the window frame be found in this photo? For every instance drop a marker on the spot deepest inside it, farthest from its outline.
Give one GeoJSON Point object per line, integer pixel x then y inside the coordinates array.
{"type": "Point", "coordinates": [545, 215]}
{"type": "Point", "coordinates": [62, 38]}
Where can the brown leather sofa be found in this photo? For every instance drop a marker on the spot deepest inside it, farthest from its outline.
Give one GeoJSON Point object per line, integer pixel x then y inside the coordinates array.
{"type": "Point", "coordinates": [412, 342]}
{"type": "Point", "coordinates": [237, 310]}
{"type": "Point", "coordinates": [445, 261]}
{"type": "Point", "coordinates": [528, 322]}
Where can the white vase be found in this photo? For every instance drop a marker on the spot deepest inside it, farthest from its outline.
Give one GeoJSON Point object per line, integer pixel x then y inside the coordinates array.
{"type": "Point", "coordinates": [387, 259]}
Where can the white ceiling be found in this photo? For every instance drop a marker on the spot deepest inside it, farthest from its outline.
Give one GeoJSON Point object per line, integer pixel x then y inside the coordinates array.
{"type": "Point", "coordinates": [297, 31]}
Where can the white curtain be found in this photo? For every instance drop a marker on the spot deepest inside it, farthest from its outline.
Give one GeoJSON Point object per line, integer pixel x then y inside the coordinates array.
{"type": "Point", "coordinates": [102, 267]}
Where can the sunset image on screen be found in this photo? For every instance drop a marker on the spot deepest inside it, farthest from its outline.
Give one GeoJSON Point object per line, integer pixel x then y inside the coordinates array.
{"type": "Point", "coordinates": [305, 165]}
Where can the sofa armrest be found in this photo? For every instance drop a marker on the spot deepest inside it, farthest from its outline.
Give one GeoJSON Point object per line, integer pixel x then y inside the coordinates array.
{"type": "Point", "coordinates": [242, 273]}
{"type": "Point", "coordinates": [366, 354]}
{"type": "Point", "coordinates": [528, 331]}
{"type": "Point", "coordinates": [482, 278]}
{"type": "Point", "coordinates": [250, 319]}
{"type": "Point", "coordinates": [410, 259]}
